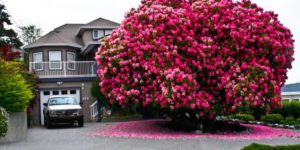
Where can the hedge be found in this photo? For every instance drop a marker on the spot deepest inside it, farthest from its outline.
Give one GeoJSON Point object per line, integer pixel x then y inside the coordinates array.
{"type": "Point", "coordinates": [244, 117]}
{"type": "Point", "coordinates": [289, 109]}
{"type": "Point", "coordinates": [272, 118]}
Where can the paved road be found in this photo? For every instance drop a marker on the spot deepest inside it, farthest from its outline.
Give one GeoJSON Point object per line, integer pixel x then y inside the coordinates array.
{"type": "Point", "coordinates": [73, 138]}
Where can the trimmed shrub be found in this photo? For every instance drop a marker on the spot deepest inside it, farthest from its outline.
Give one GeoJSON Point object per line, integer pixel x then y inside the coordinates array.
{"type": "Point", "coordinates": [244, 117]}
{"type": "Point", "coordinates": [289, 120]}
{"type": "Point", "coordinates": [297, 122]}
{"type": "Point", "coordinates": [272, 118]}
{"type": "Point", "coordinates": [15, 92]}
{"type": "Point", "coordinates": [294, 109]}
{"type": "Point", "coordinates": [3, 122]}
{"type": "Point", "coordinates": [255, 146]}
{"type": "Point", "coordinates": [289, 109]}
{"type": "Point", "coordinates": [284, 111]}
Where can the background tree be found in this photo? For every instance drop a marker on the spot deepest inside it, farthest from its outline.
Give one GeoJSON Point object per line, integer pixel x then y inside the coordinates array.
{"type": "Point", "coordinates": [7, 36]}
{"type": "Point", "coordinates": [202, 57]}
{"type": "Point", "coordinates": [30, 33]}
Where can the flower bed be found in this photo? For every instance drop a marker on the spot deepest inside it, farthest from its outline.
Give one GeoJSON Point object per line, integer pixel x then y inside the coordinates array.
{"type": "Point", "coordinates": [151, 129]}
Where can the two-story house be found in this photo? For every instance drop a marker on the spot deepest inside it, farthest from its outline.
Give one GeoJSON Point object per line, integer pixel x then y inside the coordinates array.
{"type": "Point", "coordinates": [291, 92]}
{"type": "Point", "coordinates": [64, 62]}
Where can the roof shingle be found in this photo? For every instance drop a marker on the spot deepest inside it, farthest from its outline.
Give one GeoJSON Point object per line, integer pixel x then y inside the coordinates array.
{"type": "Point", "coordinates": [295, 87]}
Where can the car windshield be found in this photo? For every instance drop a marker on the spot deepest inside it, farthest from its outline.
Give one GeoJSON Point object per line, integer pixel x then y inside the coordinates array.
{"type": "Point", "coordinates": [62, 101]}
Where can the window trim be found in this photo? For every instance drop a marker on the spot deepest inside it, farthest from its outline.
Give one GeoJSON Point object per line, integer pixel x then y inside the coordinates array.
{"type": "Point", "coordinates": [111, 30]}
{"type": "Point", "coordinates": [71, 61]}
{"type": "Point", "coordinates": [56, 61]}
{"type": "Point", "coordinates": [36, 62]}
{"type": "Point", "coordinates": [98, 35]}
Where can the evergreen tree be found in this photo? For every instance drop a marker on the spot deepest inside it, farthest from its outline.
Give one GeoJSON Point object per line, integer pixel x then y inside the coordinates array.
{"type": "Point", "coordinates": [7, 36]}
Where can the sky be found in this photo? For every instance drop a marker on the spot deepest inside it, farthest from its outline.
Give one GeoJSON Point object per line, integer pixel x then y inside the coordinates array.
{"type": "Point", "coordinates": [49, 14]}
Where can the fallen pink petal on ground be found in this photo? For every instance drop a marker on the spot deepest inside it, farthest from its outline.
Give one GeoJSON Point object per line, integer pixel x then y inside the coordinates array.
{"type": "Point", "coordinates": [149, 129]}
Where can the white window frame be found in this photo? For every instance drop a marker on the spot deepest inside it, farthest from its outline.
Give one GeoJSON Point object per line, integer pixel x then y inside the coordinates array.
{"type": "Point", "coordinates": [71, 64]}
{"type": "Point", "coordinates": [98, 31]}
{"type": "Point", "coordinates": [55, 61]}
{"type": "Point", "coordinates": [107, 30]}
{"type": "Point", "coordinates": [36, 63]}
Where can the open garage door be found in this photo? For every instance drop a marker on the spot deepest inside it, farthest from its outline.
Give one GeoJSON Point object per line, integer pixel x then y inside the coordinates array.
{"type": "Point", "coordinates": [45, 94]}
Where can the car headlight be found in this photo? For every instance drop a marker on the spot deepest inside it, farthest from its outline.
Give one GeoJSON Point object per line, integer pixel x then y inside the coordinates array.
{"type": "Point", "coordinates": [52, 113]}
{"type": "Point", "coordinates": [78, 112]}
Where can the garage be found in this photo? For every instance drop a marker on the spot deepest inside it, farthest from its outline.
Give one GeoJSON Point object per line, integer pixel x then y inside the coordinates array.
{"type": "Point", "coordinates": [45, 94]}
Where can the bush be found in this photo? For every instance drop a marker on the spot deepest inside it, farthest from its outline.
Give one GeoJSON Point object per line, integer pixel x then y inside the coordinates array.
{"type": "Point", "coordinates": [294, 109]}
{"type": "Point", "coordinates": [244, 117]}
{"type": "Point", "coordinates": [297, 122]}
{"type": "Point", "coordinates": [3, 122]}
{"type": "Point", "coordinates": [15, 92]}
{"type": "Point", "coordinates": [255, 146]}
{"type": "Point", "coordinates": [289, 120]}
{"type": "Point", "coordinates": [272, 118]}
{"type": "Point", "coordinates": [289, 109]}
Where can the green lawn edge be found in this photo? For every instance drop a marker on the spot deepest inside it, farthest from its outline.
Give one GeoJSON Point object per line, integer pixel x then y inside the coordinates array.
{"type": "Point", "coordinates": [255, 146]}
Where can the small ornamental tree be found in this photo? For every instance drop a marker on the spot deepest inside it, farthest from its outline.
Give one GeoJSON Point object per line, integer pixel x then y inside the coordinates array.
{"type": "Point", "coordinates": [7, 53]}
{"type": "Point", "coordinates": [206, 56]}
{"type": "Point", "coordinates": [15, 90]}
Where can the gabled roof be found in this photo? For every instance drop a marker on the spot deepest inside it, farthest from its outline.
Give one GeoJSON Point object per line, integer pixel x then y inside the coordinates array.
{"type": "Point", "coordinates": [64, 35]}
{"type": "Point", "coordinates": [69, 34]}
{"type": "Point", "coordinates": [99, 23]}
{"type": "Point", "coordinates": [102, 22]}
{"type": "Point", "coordinates": [295, 87]}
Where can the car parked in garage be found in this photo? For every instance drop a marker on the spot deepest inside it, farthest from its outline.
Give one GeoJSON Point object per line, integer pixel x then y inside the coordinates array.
{"type": "Point", "coordinates": [62, 109]}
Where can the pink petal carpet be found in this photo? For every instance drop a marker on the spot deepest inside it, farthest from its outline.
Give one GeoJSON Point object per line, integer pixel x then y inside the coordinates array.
{"type": "Point", "coordinates": [150, 129]}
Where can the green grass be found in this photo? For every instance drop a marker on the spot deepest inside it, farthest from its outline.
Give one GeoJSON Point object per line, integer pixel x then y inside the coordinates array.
{"type": "Point", "coordinates": [255, 146]}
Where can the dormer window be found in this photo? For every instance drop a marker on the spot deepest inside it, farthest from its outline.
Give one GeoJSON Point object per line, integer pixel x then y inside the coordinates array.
{"type": "Point", "coordinates": [99, 33]}
{"type": "Point", "coordinates": [108, 32]}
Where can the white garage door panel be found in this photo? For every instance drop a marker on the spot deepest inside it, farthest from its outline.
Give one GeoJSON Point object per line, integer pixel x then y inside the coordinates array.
{"type": "Point", "coordinates": [45, 94]}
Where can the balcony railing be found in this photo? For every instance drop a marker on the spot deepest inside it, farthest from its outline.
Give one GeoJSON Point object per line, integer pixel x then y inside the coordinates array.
{"type": "Point", "coordinates": [64, 69]}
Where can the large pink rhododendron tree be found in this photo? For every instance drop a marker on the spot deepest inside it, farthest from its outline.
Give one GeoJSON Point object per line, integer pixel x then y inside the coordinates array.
{"type": "Point", "coordinates": [209, 56]}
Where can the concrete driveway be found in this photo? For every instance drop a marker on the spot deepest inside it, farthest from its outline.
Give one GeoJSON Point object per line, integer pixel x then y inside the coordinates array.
{"type": "Point", "coordinates": [73, 138]}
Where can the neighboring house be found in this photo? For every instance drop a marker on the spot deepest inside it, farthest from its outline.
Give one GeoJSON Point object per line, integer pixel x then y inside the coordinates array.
{"type": "Point", "coordinates": [291, 92]}
{"type": "Point", "coordinates": [64, 62]}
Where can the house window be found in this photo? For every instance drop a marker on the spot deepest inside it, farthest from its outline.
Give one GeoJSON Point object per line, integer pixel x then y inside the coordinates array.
{"type": "Point", "coordinates": [97, 34]}
{"type": "Point", "coordinates": [37, 61]}
{"type": "Point", "coordinates": [55, 60]}
{"type": "Point", "coordinates": [295, 100]}
{"type": "Point", "coordinates": [71, 57]}
{"type": "Point", "coordinates": [108, 32]}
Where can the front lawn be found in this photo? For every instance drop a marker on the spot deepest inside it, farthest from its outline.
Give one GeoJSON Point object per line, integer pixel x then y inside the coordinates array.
{"type": "Point", "coordinates": [255, 146]}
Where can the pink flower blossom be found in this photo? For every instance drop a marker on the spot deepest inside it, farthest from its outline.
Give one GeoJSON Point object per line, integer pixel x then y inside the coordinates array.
{"type": "Point", "coordinates": [196, 54]}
